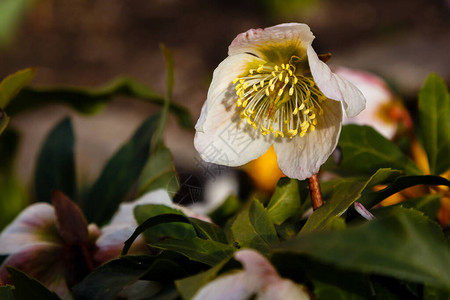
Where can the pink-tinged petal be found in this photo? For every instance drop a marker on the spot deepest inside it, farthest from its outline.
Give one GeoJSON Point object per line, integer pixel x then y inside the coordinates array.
{"type": "Point", "coordinates": [283, 289]}
{"type": "Point", "coordinates": [335, 87]}
{"type": "Point", "coordinates": [301, 157]}
{"type": "Point", "coordinates": [379, 99]}
{"type": "Point", "coordinates": [256, 264]}
{"type": "Point", "coordinates": [276, 43]}
{"type": "Point", "coordinates": [258, 278]}
{"type": "Point", "coordinates": [236, 286]}
{"type": "Point", "coordinates": [122, 226]}
{"type": "Point", "coordinates": [44, 262]}
{"type": "Point", "coordinates": [112, 239]}
{"type": "Point", "coordinates": [35, 224]}
{"type": "Point", "coordinates": [363, 211]}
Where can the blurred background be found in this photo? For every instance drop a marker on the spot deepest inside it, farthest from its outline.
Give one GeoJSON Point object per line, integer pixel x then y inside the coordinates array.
{"type": "Point", "coordinates": [89, 42]}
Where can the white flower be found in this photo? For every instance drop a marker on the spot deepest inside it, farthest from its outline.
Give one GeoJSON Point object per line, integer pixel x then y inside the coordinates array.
{"type": "Point", "coordinates": [259, 278]}
{"type": "Point", "coordinates": [273, 89]}
{"type": "Point", "coordinates": [123, 224]}
{"type": "Point", "coordinates": [384, 111]}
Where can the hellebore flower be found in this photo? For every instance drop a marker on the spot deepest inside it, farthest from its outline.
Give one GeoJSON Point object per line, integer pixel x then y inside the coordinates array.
{"type": "Point", "coordinates": [123, 224]}
{"type": "Point", "coordinates": [273, 89]}
{"type": "Point", "coordinates": [384, 111]}
{"type": "Point", "coordinates": [259, 278]}
{"type": "Point", "coordinates": [35, 245]}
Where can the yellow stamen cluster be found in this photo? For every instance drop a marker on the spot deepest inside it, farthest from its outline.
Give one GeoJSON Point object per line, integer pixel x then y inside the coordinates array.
{"type": "Point", "coordinates": [277, 100]}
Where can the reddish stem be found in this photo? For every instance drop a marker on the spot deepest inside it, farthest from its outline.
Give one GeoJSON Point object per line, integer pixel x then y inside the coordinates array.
{"type": "Point", "coordinates": [316, 193]}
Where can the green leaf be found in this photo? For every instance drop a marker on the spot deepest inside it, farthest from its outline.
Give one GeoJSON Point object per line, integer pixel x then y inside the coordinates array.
{"type": "Point", "coordinates": [189, 286]}
{"type": "Point", "coordinates": [428, 204]}
{"type": "Point", "coordinates": [208, 252]}
{"type": "Point", "coordinates": [6, 292]}
{"type": "Point", "coordinates": [55, 167]}
{"type": "Point", "coordinates": [14, 195]}
{"type": "Point", "coordinates": [12, 84]}
{"type": "Point", "coordinates": [90, 100]}
{"type": "Point", "coordinates": [119, 175]}
{"type": "Point", "coordinates": [403, 244]}
{"type": "Point", "coordinates": [365, 150]}
{"type": "Point", "coordinates": [285, 201]}
{"type": "Point", "coordinates": [227, 209]}
{"type": "Point", "coordinates": [432, 293]}
{"type": "Point", "coordinates": [209, 231]}
{"type": "Point", "coordinates": [153, 221]}
{"type": "Point", "coordinates": [345, 192]}
{"type": "Point", "coordinates": [11, 14]}
{"type": "Point", "coordinates": [253, 228]}
{"type": "Point", "coordinates": [108, 280]}
{"type": "Point", "coordinates": [159, 172]}
{"type": "Point", "coordinates": [168, 57]}
{"type": "Point", "coordinates": [27, 288]}
{"type": "Point", "coordinates": [4, 120]}
{"type": "Point", "coordinates": [166, 230]}
{"type": "Point", "coordinates": [434, 117]}
{"type": "Point", "coordinates": [401, 183]}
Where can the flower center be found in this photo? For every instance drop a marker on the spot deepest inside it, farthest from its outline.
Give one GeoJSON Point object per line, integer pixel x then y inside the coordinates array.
{"type": "Point", "coordinates": [277, 100]}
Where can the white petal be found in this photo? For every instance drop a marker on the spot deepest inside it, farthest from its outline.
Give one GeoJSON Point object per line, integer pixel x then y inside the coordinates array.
{"type": "Point", "coordinates": [229, 287]}
{"type": "Point", "coordinates": [223, 137]}
{"type": "Point", "coordinates": [283, 289]}
{"type": "Point", "coordinates": [257, 41]}
{"type": "Point", "coordinates": [35, 224]}
{"type": "Point", "coordinates": [335, 87]}
{"type": "Point", "coordinates": [221, 92]}
{"type": "Point", "coordinates": [255, 263]}
{"type": "Point", "coordinates": [111, 242]}
{"type": "Point", "coordinates": [125, 216]}
{"type": "Point", "coordinates": [302, 157]}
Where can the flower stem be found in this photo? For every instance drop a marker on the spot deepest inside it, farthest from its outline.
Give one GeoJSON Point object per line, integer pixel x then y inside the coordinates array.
{"type": "Point", "coordinates": [316, 193]}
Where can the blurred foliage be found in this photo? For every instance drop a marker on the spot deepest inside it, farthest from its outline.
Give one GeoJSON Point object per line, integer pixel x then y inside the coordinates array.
{"type": "Point", "coordinates": [11, 15]}
{"type": "Point", "coordinates": [402, 254]}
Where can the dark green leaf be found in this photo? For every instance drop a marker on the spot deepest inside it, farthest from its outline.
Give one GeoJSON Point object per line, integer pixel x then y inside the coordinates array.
{"type": "Point", "coordinates": [55, 167]}
{"type": "Point", "coordinates": [109, 279]}
{"type": "Point", "coordinates": [119, 175]}
{"type": "Point", "coordinates": [285, 201]}
{"type": "Point", "coordinates": [365, 150]}
{"type": "Point", "coordinates": [205, 251]}
{"type": "Point", "coordinates": [403, 244]}
{"type": "Point", "coordinates": [159, 172]}
{"type": "Point", "coordinates": [345, 192]}
{"type": "Point", "coordinates": [227, 209]}
{"type": "Point", "coordinates": [209, 231]}
{"type": "Point", "coordinates": [14, 195]}
{"type": "Point", "coordinates": [153, 221]}
{"type": "Point", "coordinates": [6, 292]}
{"type": "Point", "coordinates": [90, 100]}
{"type": "Point", "coordinates": [12, 84]}
{"type": "Point", "coordinates": [168, 57]}
{"type": "Point", "coordinates": [27, 288]}
{"type": "Point", "coordinates": [401, 183]}
{"type": "Point", "coordinates": [432, 293]}
{"type": "Point", "coordinates": [434, 117]}
{"type": "Point", "coordinates": [428, 204]}
{"type": "Point", "coordinates": [4, 120]}
{"type": "Point", "coordinates": [253, 228]}
{"type": "Point", "coordinates": [190, 285]}
{"type": "Point", "coordinates": [166, 230]}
